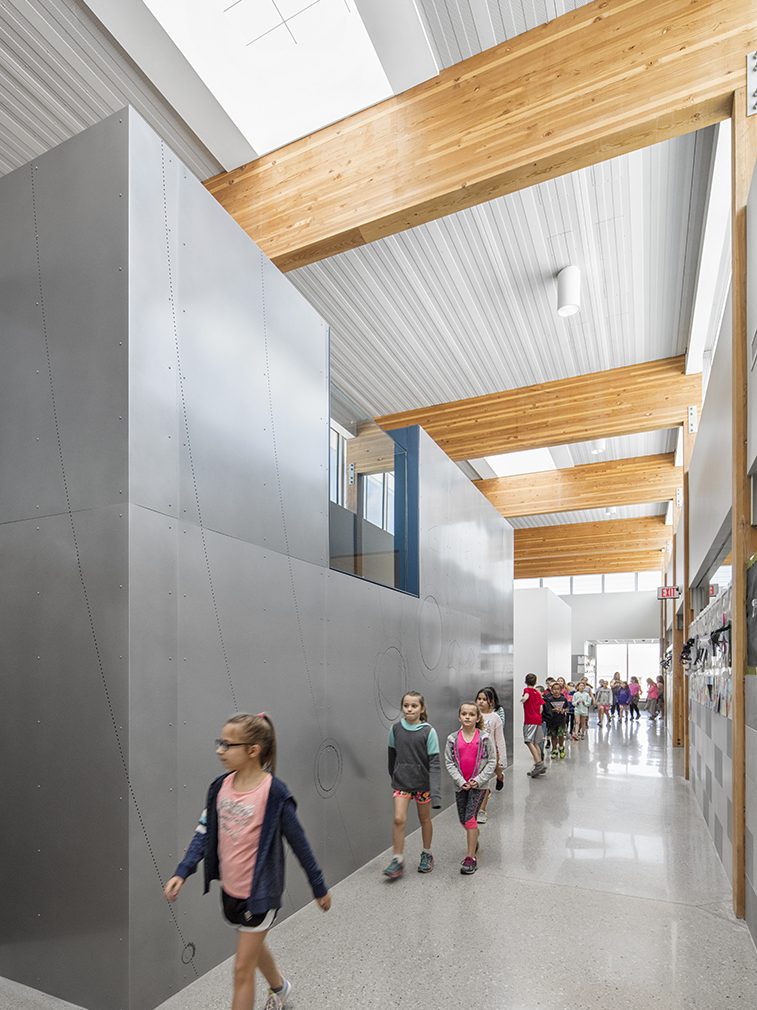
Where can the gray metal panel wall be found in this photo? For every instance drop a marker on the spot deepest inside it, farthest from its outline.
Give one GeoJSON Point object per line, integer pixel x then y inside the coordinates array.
{"type": "Point", "coordinates": [221, 599]}
{"type": "Point", "coordinates": [63, 544]}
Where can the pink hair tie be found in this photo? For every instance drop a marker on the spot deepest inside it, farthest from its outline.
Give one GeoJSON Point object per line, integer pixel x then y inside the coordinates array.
{"type": "Point", "coordinates": [261, 715]}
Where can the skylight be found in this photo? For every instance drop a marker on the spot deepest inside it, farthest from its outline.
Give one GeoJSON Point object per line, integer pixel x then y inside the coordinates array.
{"type": "Point", "coordinates": [281, 69]}
{"type": "Point", "coordinates": [529, 461]}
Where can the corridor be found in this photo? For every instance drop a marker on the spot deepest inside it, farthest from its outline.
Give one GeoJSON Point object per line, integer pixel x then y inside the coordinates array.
{"type": "Point", "coordinates": [598, 887]}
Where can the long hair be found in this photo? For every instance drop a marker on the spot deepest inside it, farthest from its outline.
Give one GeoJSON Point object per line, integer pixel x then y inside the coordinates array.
{"type": "Point", "coordinates": [491, 696]}
{"type": "Point", "coordinates": [258, 729]}
{"type": "Point", "coordinates": [421, 699]}
{"type": "Point", "coordinates": [480, 724]}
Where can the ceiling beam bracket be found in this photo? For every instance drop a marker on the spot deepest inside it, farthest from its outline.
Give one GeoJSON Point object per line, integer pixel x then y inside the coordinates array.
{"type": "Point", "coordinates": [751, 83]}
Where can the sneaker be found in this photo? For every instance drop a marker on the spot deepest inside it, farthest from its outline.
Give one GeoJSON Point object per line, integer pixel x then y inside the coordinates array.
{"type": "Point", "coordinates": [562, 752]}
{"type": "Point", "coordinates": [394, 870]}
{"type": "Point", "coordinates": [482, 817]}
{"type": "Point", "coordinates": [276, 1000]}
{"type": "Point", "coordinates": [469, 865]}
{"type": "Point", "coordinates": [426, 864]}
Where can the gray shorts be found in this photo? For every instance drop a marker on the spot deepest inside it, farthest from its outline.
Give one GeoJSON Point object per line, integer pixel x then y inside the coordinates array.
{"type": "Point", "coordinates": [533, 733]}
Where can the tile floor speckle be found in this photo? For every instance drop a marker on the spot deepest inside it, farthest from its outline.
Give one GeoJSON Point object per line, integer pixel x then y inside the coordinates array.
{"type": "Point", "coordinates": [598, 887]}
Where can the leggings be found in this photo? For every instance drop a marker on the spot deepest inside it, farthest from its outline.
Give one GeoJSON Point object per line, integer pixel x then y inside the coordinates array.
{"type": "Point", "coordinates": [634, 707]}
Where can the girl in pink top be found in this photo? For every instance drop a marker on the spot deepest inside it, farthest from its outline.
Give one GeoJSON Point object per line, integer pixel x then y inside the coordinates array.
{"type": "Point", "coordinates": [651, 698]}
{"type": "Point", "coordinates": [471, 759]}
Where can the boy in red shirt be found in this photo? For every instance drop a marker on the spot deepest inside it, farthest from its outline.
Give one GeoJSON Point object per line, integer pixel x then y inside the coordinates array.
{"type": "Point", "coordinates": [533, 734]}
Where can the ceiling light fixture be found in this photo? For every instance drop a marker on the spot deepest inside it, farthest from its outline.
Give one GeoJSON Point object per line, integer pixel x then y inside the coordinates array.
{"type": "Point", "coordinates": [598, 445]}
{"type": "Point", "coordinates": [569, 291]}
{"type": "Point", "coordinates": [610, 512]}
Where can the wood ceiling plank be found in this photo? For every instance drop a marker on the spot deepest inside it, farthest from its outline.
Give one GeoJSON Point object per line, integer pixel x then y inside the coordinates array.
{"type": "Point", "coordinates": [581, 539]}
{"type": "Point", "coordinates": [635, 481]}
{"type": "Point", "coordinates": [608, 78]}
{"type": "Point", "coordinates": [620, 401]}
{"type": "Point", "coordinates": [590, 564]}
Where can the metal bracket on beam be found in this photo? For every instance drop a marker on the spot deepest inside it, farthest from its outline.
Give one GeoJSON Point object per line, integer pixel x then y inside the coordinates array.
{"type": "Point", "coordinates": [751, 83]}
{"type": "Point", "coordinates": [692, 417]}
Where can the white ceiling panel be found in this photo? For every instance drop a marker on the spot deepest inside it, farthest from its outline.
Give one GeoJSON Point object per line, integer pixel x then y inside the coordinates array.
{"type": "Point", "coordinates": [466, 305]}
{"type": "Point", "coordinates": [61, 71]}
{"type": "Point", "coordinates": [458, 29]}
{"type": "Point", "coordinates": [651, 443]}
{"type": "Point", "coordinates": [588, 516]}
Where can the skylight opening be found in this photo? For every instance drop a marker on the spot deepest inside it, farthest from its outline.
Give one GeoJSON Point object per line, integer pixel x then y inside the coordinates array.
{"type": "Point", "coordinates": [281, 69]}
{"type": "Point", "coordinates": [510, 464]}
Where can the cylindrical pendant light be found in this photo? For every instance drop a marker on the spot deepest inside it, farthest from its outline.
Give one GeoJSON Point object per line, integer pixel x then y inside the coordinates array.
{"type": "Point", "coordinates": [569, 291]}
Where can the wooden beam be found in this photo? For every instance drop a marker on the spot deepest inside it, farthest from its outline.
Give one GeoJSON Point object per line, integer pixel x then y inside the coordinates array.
{"type": "Point", "coordinates": [620, 401]}
{"type": "Point", "coordinates": [635, 481]}
{"type": "Point", "coordinates": [743, 540]}
{"type": "Point", "coordinates": [590, 564]}
{"type": "Point", "coordinates": [611, 77]}
{"type": "Point", "coordinates": [567, 540]}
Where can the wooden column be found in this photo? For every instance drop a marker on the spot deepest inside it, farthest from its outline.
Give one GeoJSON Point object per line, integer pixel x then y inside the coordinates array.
{"type": "Point", "coordinates": [688, 448]}
{"type": "Point", "coordinates": [678, 679]}
{"type": "Point", "coordinates": [744, 155]}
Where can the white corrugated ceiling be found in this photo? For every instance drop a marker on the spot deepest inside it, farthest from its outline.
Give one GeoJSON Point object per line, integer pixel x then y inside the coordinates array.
{"type": "Point", "coordinates": [60, 72]}
{"type": "Point", "coordinates": [587, 516]}
{"type": "Point", "coordinates": [466, 305]}
{"type": "Point", "coordinates": [458, 29]}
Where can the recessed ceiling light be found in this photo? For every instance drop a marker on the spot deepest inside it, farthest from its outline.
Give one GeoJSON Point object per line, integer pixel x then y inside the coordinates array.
{"type": "Point", "coordinates": [598, 445]}
{"type": "Point", "coordinates": [569, 291]}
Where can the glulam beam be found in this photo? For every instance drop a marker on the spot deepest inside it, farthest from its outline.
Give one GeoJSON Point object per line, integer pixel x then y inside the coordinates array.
{"type": "Point", "coordinates": [591, 564]}
{"type": "Point", "coordinates": [611, 77]}
{"type": "Point", "coordinates": [619, 401]}
{"type": "Point", "coordinates": [636, 481]}
{"type": "Point", "coordinates": [566, 540]}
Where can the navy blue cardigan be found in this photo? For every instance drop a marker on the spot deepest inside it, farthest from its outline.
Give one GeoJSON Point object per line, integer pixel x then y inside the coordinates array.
{"type": "Point", "coordinates": [279, 821]}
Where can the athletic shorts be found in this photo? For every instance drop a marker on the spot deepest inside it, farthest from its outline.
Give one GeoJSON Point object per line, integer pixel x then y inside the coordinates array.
{"type": "Point", "coordinates": [418, 797]}
{"type": "Point", "coordinates": [533, 733]}
{"type": "Point", "coordinates": [236, 914]}
{"type": "Point", "coordinates": [557, 731]}
{"type": "Point", "coordinates": [468, 804]}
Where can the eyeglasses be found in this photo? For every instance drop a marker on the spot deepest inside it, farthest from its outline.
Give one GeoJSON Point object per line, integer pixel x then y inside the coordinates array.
{"type": "Point", "coordinates": [223, 745]}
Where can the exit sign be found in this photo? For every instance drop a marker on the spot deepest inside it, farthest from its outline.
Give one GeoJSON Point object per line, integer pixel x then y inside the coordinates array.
{"type": "Point", "coordinates": [668, 592]}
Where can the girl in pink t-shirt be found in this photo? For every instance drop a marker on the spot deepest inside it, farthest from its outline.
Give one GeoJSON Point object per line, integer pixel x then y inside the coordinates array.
{"type": "Point", "coordinates": [471, 759]}
{"type": "Point", "coordinates": [240, 838]}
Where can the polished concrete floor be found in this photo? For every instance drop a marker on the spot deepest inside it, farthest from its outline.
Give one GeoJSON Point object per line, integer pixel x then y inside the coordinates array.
{"type": "Point", "coordinates": [598, 887]}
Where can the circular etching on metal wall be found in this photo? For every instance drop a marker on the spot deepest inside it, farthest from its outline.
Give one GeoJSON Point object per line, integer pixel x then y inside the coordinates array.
{"type": "Point", "coordinates": [430, 633]}
{"type": "Point", "coordinates": [328, 768]}
{"type": "Point", "coordinates": [187, 955]}
{"type": "Point", "coordinates": [390, 680]}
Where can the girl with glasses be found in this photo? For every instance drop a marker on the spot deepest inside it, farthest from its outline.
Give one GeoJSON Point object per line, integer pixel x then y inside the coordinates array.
{"type": "Point", "coordinates": [249, 812]}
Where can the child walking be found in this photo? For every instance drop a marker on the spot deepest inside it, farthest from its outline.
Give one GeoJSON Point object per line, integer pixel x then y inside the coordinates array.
{"type": "Point", "coordinates": [471, 757]}
{"type": "Point", "coordinates": [533, 734]}
{"type": "Point", "coordinates": [624, 700]}
{"type": "Point", "coordinates": [604, 702]}
{"type": "Point", "coordinates": [556, 716]}
{"type": "Point", "coordinates": [415, 772]}
{"type": "Point", "coordinates": [240, 838]}
{"type": "Point", "coordinates": [581, 703]}
{"type": "Point", "coordinates": [485, 699]}
{"type": "Point", "coordinates": [634, 689]}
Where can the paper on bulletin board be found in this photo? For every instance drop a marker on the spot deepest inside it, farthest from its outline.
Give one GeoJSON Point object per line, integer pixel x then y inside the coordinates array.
{"type": "Point", "coordinates": [751, 616]}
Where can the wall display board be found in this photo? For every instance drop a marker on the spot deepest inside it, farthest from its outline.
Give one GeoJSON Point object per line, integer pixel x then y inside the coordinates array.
{"type": "Point", "coordinates": [711, 720]}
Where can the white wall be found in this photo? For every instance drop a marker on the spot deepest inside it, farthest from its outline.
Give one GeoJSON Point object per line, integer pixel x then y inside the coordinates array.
{"type": "Point", "coordinates": [542, 634]}
{"type": "Point", "coordinates": [598, 616]}
{"type": "Point", "coordinates": [710, 470]}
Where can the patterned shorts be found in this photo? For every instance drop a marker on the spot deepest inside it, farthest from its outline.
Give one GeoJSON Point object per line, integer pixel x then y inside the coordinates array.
{"type": "Point", "coordinates": [468, 803]}
{"type": "Point", "coordinates": [418, 797]}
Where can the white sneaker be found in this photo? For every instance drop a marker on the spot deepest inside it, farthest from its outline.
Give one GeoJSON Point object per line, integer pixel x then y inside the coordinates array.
{"type": "Point", "coordinates": [277, 1000]}
{"type": "Point", "coordinates": [481, 817]}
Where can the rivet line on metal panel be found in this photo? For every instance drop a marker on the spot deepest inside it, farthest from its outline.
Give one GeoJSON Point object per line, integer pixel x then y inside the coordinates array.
{"type": "Point", "coordinates": [185, 416]}
{"type": "Point", "coordinates": [290, 566]}
{"type": "Point", "coordinates": [79, 565]}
